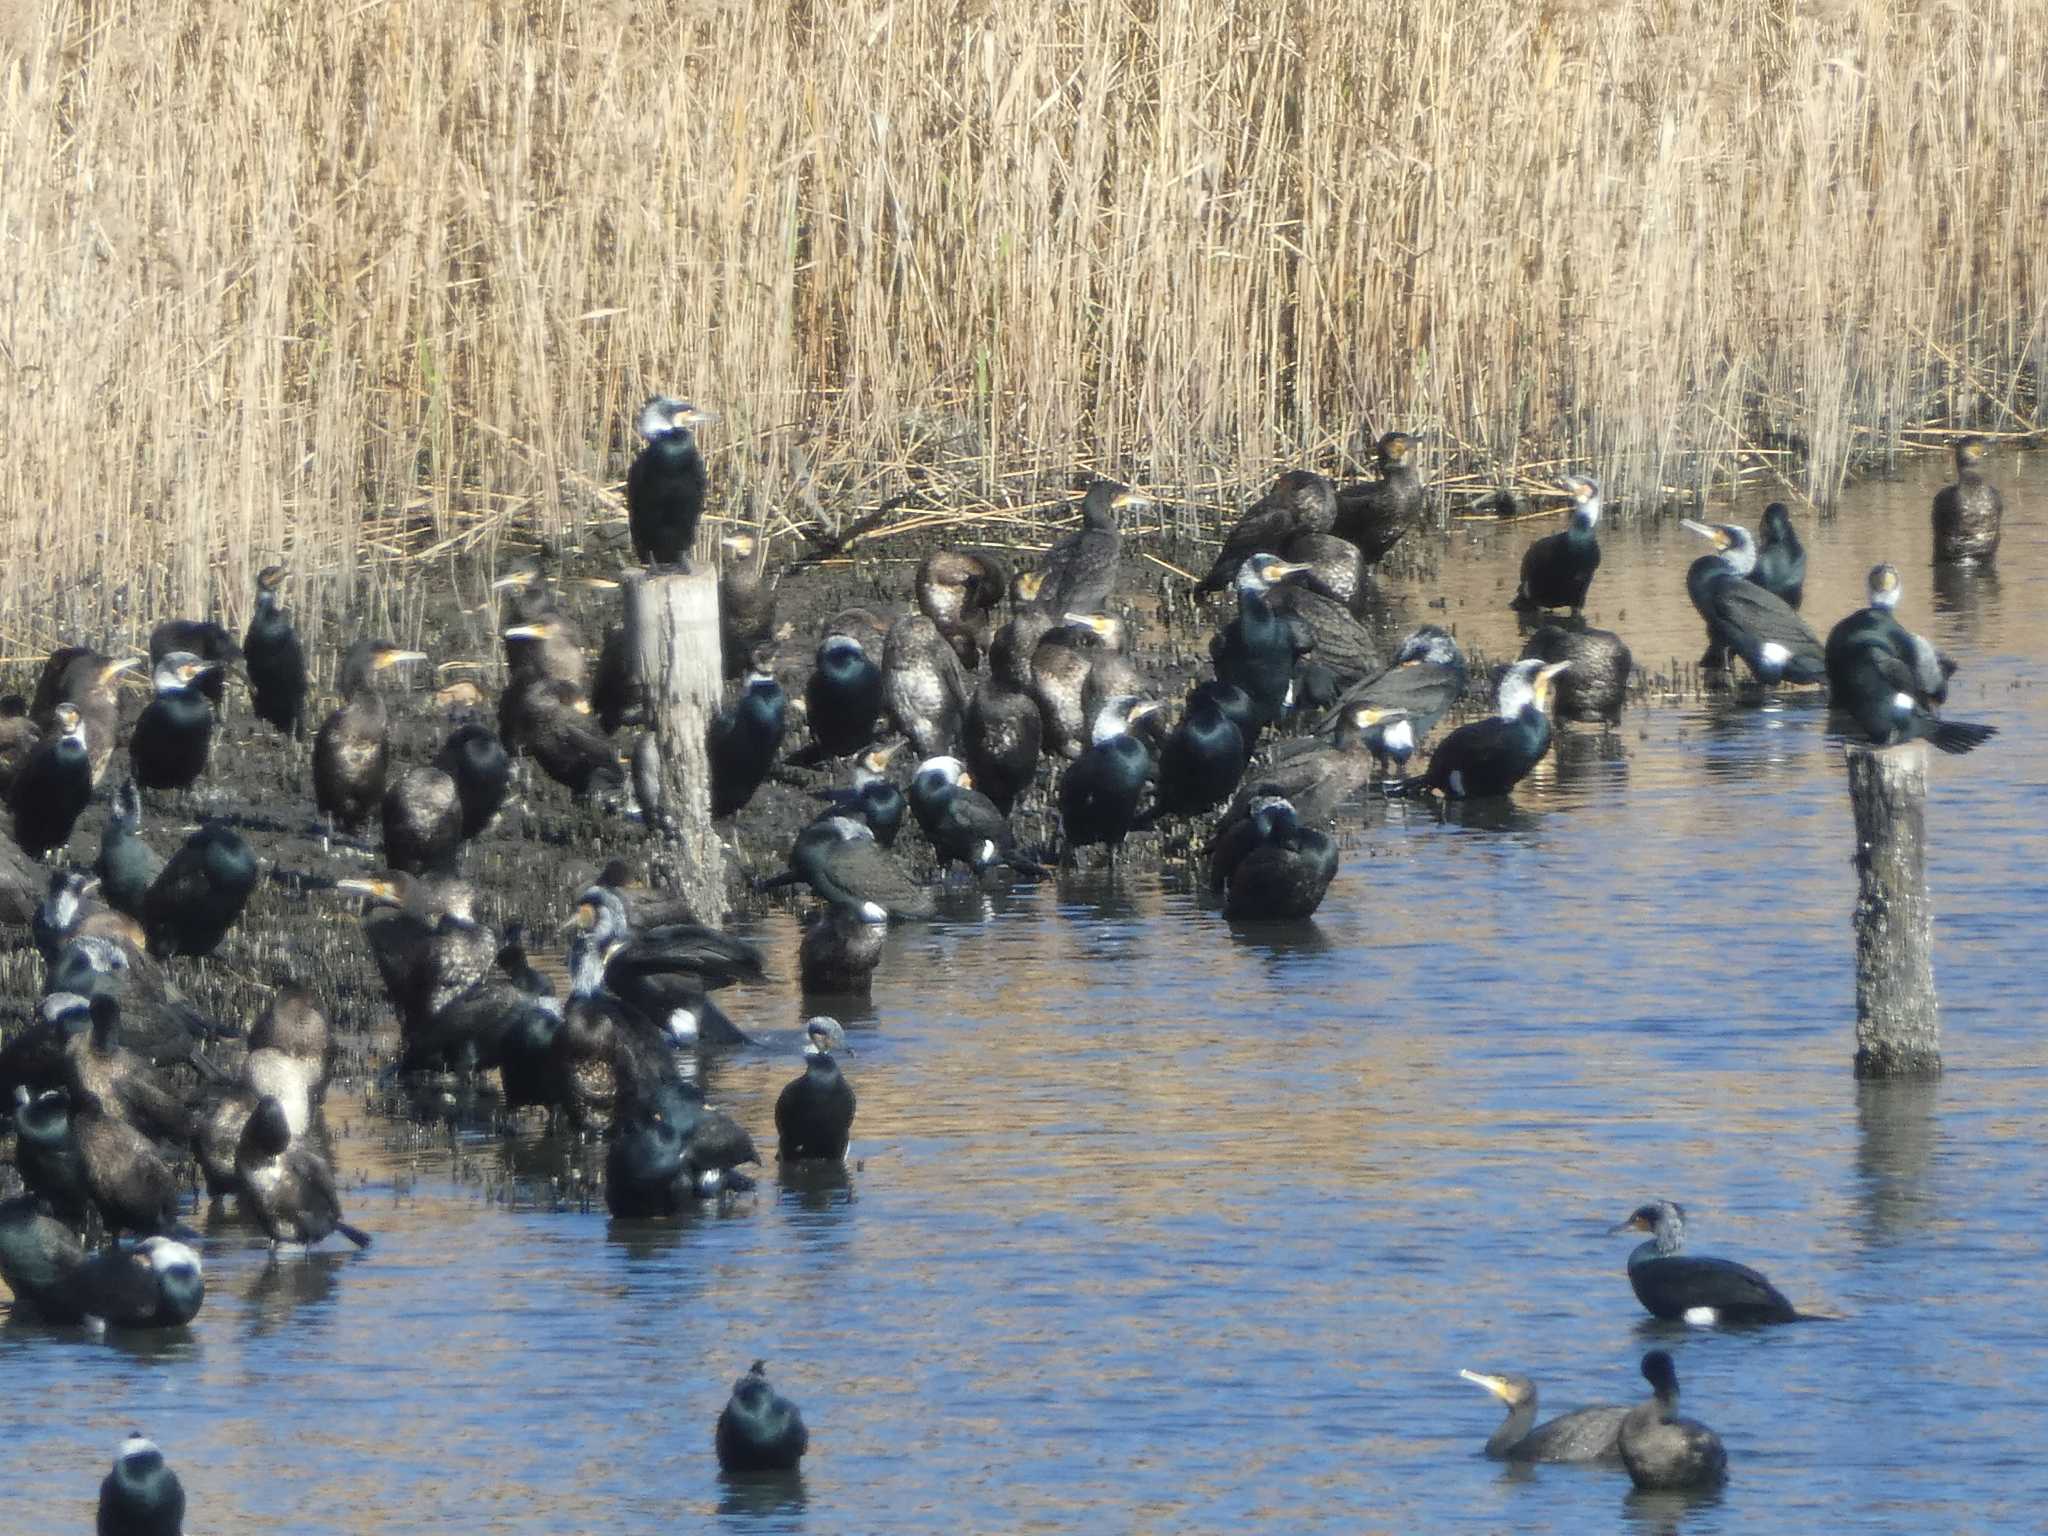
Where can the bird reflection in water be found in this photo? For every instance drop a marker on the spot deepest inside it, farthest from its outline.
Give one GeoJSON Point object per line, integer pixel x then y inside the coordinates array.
{"type": "Point", "coordinates": [747, 1498]}
{"type": "Point", "coordinates": [1968, 594]}
{"type": "Point", "coordinates": [288, 1282]}
{"type": "Point", "coordinates": [816, 1184]}
{"type": "Point", "coordinates": [1278, 942]}
{"type": "Point", "coordinates": [1666, 1512]}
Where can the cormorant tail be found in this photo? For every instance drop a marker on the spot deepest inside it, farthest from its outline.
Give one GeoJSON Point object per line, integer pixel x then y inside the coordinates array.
{"type": "Point", "coordinates": [355, 1235]}
{"type": "Point", "coordinates": [1960, 736]}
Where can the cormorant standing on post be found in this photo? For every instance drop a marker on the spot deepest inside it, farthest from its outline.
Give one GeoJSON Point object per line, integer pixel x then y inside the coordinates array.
{"type": "Point", "coordinates": [1780, 557]}
{"type": "Point", "coordinates": [666, 485]}
{"type": "Point", "coordinates": [275, 660]}
{"type": "Point", "coordinates": [352, 751]}
{"type": "Point", "coordinates": [174, 733]}
{"type": "Point", "coordinates": [1558, 569]}
{"type": "Point", "coordinates": [1485, 758]}
{"type": "Point", "coordinates": [1968, 515]}
{"type": "Point", "coordinates": [1889, 679]}
{"type": "Point", "coordinates": [1376, 514]}
{"type": "Point", "coordinates": [1744, 618]}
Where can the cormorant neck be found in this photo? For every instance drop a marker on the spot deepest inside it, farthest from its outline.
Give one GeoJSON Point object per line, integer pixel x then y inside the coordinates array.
{"type": "Point", "coordinates": [1514, 1429]}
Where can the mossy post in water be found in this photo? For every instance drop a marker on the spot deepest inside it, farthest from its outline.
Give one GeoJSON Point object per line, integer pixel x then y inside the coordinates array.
{"type": "Point", "coordinates": [672, 629]}
{"type": "Point", "coordinates": [1898, 1022]}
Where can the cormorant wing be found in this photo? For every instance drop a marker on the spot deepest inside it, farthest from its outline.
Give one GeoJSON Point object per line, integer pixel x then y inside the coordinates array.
{"type": "Point", "coordinates": [865, 871]}
{"type": "Point", "coordinates": [1674, 1284]}
{"type": "Point", "coordinates": [1746, 607]}
{"type": "Point", "coordinates": [118, 1285]}
{"type": "Point", "coordinates": [687, 947]}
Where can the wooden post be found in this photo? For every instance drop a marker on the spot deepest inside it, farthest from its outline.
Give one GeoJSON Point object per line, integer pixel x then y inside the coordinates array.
{"type": "Point", "coordinates": [1898, 1022]}
{"type": "Point", "coordinates": [673, 636]}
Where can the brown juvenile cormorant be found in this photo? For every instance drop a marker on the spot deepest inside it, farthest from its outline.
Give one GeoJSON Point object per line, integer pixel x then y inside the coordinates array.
{"type": "Point", "coordinates": [746, 603]}
{"type": "Point", "coordinates": [422, 816]}
{"type": "Point", "coordinates": [814, 1112]}
{"type": "Point", "coordinates": [666, 485]}
{"type": "Point", "coordinates": [1338, 569]}
{"type": "Point", "coordinates": [1684, 1288]}
{"type": "Point", "coordinates": [427, 945]}
{"type": "Point", "coordinates": [1485, 758]}
{"type": "Point", "coordinates": [1585, 1434]}
{"type": "Point", "coordinates": [127, 1182]}
{"type": "Point", "coordinates": [544, 649]}
{"type": "Point", "coordinates": [1744, 618]}
{"type": "Point", "coordinates": [1376, 514]}
{"type": "Point", "coordinates": [173, 735]}
{"type": "Point", "coordinates": [1890, 680]}
{"type": "Point", "coordinates": [1314, 780]}
{"type": "Point", "coordinates": [962, 824]}
{"type": "Point", "coordinates": [1558, 568]}
{"type": "Point", "coordinates": [1257, 650]}
{"type": "Point", "coordinates": [286, 1185]}
{"type": "Point", "coordinates": [1661, 1450]}
{"type": "Point", "coordinates": [352, 751]}
{"type": "Point", "coordinates": [1968, 515]}
{"type": "Point", "coordinates": [190, 907]}
{"type": "Point", "coordinates": [1342, 650]}
{"type": "Point", "coordinates": [839, 951]}
{"type": "Point", "coordinates": [1270, 865]}
{"type": "Point", "coordinates": [1301, 502]}
{"type": "Point", "coordinates": [1780, 557]}
{"type": "Point", "coordinates": [1099, 791]}
{"type": "Point", "coordinates": [959, 591]}
{"type": "Point", "coordinates": [275, 660]}
{"type": "Point", "coordinates": [54, 785]}
{"type": "Point", "coordinates": [1062, 662]}
{"type": "Point", "coordinates": [1111, 673]}
{"type": "Point", "coordinates": [1004, 731]}
{"type": "Point", "coordinates": [760, 1430]}
{"type": "Point", "coordinates": [923, 686]}
{"type": "Point", "coordinates": [82, 677]}
{"type": "Point", "coordinates": [1078, 574]}
{"type": "Point", "coordinates": [142, 1495]}
{"type": "Point", "coordinates": [1595, 686]}
{"type": "Point", "coordinates": [741, 742]}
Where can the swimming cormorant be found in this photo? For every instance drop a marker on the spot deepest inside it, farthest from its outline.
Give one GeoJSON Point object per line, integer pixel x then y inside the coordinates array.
{"type": "Point", "coordinates": [962, 824]}
{"type": "Point", "coordinates": [352, 751]}
{"type": "Point", "coordinates": [742, 741]}
{"type": "Point", "coordinates": [54, 785]}
{"type": "Point", "coordinates": [923, 686]}
{"type": "Point", "coordinates": [1968, 515]}
{"type": "Point", "coordinates": [1780, 557]}
{"type": "Point", "coordinates": [1558, 568]}
{"type": "Point", "coordinates": [1889, 679]}
{"type": "Point", "coordinates": [1660, 1449]}
{"type": "Point", "coordinates": [746, 603]}
{"type": "Point", "coordinates": [275, 660]}
{"type": "Point", "coordinates": [1272, 866]}
{"type": "Point", "coordinates": [1585, 1434]}
{"type": "Point", "coordinates": [666, 485]}
{"type": "Point", "coordinates": [1078, 574]}
{"type": "Point", "coordinates": [142, 1495]}
{"type": "Point", "coordinates": [1595, 686]}
{"type": "Point", "coordinates": [1489, 757]}
{"type": "Point", "coordinates": [286, 1185]}
{"type": "Point", "coordinates": [814, 1112]}
{"type": "Point", "coordinates": [760, 1430]}
{"type": "Point", "coordinates": [1258, 648]}
{"type": "Point", "coordinates": [1099, 791]}
{"type": "Point", "coordinates": [843, 698]}
{"type": "Point", "coordinates": [1684, 1288]}
{"type": "Point", "coordinates": [1300, 502]}
{"type": "Point", "coordinates": [82, 677]}
{"type": "Point", "coordinates": [1743, 617]}
{"type": "Point", "coordinates": [1375, 514]}
{"type": "Point", "coordinates": [200, 894]}
{"type": "Point", "coordinates": [959, 591]}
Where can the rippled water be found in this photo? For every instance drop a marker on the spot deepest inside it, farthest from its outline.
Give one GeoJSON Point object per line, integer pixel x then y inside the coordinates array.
{"type": "Point", "coordinates": [1161, 1225]}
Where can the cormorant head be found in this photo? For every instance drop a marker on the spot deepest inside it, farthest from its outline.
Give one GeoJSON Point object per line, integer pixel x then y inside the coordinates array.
{"type": "Point", "coordinates": [663, 415]}
{"type": "Point", "coordinates": [269, 1130]}
{"type": "Point", "coordinates": [935, 773]}
{"type": "Point", "coordinates": [1116, 717]}
{"type": "Point", "coordinates": [1526, 682]}
{"type": "Point", "coordinates": [1105, 498]}
{"type": "Point", "coordinates": [1431, 643]}
{"type": "Point", "coordinates": [70, 724]}
{"type": "Point", "coordinates": [1262, 572]}
{"type": "Point", "coordinates": [1737, 547]}
{"type": "Point", "coordinates": [1106, 627]}
{"type": "Point", "coordinates": [1777, 523]}
{"type": "Point", "coordinates": [1660, 1373]}
{"type": "Point", "coordinates": [180, 669]}
{"type": "Point", "coordinates": [1273, 817]}
{"type": "Point", "coordinates": [1584, 491]}
{"type": "Point", "coordinates": [1885, 590]}
{"type": "Point", "coordinates": [1393, 448]}
{"type": "Point", "coordinates": [839, 829]}
{"type": "Point", "coordinates": [1510, 1388]}
{"type": "Point", "coordinates": [1970, 451]}
{"type": "Point", "coordinates": [761, 683]}
{"type": "Point", "coordinates": [1026, 585]}
{"type": "Point", "coordinates": [739, 546]}
{"type": "Point", "coordinates": [1311, 495]}
{"type": "Point", "coordinates": [170, 1258]}
{"type": "Point", "coordinates": [1662, 1219]}
{"type": "Point", "coordinates": [840, 647]}
{"type": "Point", "coordinates": [873, 763]}
{"type": "Point", "coordinates": [391, 888]}
{"type": "Point", "coordinates": [823, 1035]}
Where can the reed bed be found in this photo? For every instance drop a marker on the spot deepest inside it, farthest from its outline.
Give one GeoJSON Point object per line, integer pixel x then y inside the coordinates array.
{"type": "Point", "coordinates": [369, 287]}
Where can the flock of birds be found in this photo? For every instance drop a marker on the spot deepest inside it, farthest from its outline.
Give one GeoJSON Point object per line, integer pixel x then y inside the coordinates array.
{"type": "Point", "coordinates": [114, 1081]}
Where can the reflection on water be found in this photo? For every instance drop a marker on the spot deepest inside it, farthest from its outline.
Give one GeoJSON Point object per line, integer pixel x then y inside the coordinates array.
{"type": "Point", "coordinates": [1160, 1222]}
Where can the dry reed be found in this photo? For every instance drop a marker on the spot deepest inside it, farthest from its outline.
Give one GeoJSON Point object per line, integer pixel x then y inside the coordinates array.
{"type": "Point", "coordinates": [364, 286]}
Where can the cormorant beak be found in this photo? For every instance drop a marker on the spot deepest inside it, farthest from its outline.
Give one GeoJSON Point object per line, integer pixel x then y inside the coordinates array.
{"type": "Point", "coordinates": [596, 583]}
{"type": "Point", "coordinates": [583, 918]}
{"type": "Point", "coordinates": [515, 579]}
{"type": "Point", "coordinates": [739, 544]}
{"type": "Point", "coordinates": [1026, 585]}
{"type": "Point", "coordinates": [538, 630]}
{"type": "Point", "coordinates": [1143, 708]}
{"type": "Point", "coordinates": [965, 781]}
{"type": "Point", "coordinates": [457, 666]}
{"type": "Point", "coordinates": [394, 658]}
{"type": "Point", "coordinates": [1363, 716]}
{"type": "Point", "coordinates": [581, 706]}
{"type": "Point", "coordinates": [367, 885]}
{"type": "Point", "coordinates": [1633, 1224]}
{"type": "Point", "coordinates": [1492, 1384]}
{"type": "Point", "coordinates": [1101, 623]}
{"type": "Point", "coordinates": [877, 758]}
{"type": "Point", "coordinates": [1706, 531]}
{"type": "Point", "coordinates": [114, 669]}
{"type": "Point", "coordinates": [1280, 570]}
{"type": "Point", "coordinates": [695, 416]}
{"type": "Point", "coordinates": [193, 669]}
{"type": "Point", "coordinates": [1130, 499]}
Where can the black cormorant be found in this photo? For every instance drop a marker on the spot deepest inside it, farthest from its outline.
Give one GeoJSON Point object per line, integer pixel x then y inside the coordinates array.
{"type": "Point", "coordinates": [1078, 574]}
{"type": "Point", "coordinates": [1258, 648]}
{"type": "Point", "coordinates": [959, 591]}
{"type": "Point", "coordinates": [742, 741]}
{"type": "Point", "coordinates": [1744, 618]}
{"type": "Point", "coordinates": [923, 686]}
{"type": "Point", "coordinates": [352, 751]}
{"type": "Point", "coordinates": [168, 747]}
{"type": "Point", "coordinates": [477, 761]}
{"type": "Point", "coordinates": [1489, 757]}
{"type": "Point", "coordinates": [814, 1112]}
{"type": "Point", "coordinates": [204, 639]}
{"type": "Point", "coordinates": [127, 866]}
{"type": "Point", "coordinates": [1661, 1450]}
{"type": "Point", "coordinates": [1099, 792]}
{"type": "Point", "coordinates": [666, 485]}
{"type": "Point", "coordinates": [286, 1185]}
{"type": "Point", "coordinates": [1375, 514]}
{"type": "Point", "coordinates": [82, 677]}
{"type": "Point", "coordinates": [1780, 557]}
{"type": "Point", "coordinates": [40, 1257]}
{"type": "Point", "coordinates": [18, 738]}
{"type": "Point", "coordinates": [1969, 514]}
{"type": "Point", "coordinates": [275, 660]}
{"type": "Point", "coordinates": [760, 1430]}
{"type": "Point", "coordinates": [1270, 865]}
{"type": "Point", "coordinates": [1585, 1434]}
{"type": "Point", "coordinates": [1200, 763]}
{"type": "Point", "coordinates": [746, 603]}
{"type": "Point", "coordinates": [1595, 686]}
{"type": "Point", "coordinates": [44, 1154]}
{"type": "Point", "coordinates": [843, 698]}
{"type": "Point", "coordinates": [546, 647]}
{"type": "Point", "coordinates": [962, 824]}
{"type": "Point", "coordinates": [54, 785]}
{"type": "Point", "coordinates": [200, 894]}
{"type": "Point", "coordinates": [1684, 1288]}
{"type": "Point", "coordinates": [1558, 568]}
{"type": "Point", "coordinates": [1342, 650]}
{"type": "Point", "coordinates": [562, 738]}
{"type": "Point", "coordinates": [842, 863]}
{"type": "Point", "coordinates": [157, 1283]}
{"type": "Point", "coordinates": [142, 1495]}
{"type": "Point", "coordinates": [1300, 502]}
{"type": "Point", "coordinates": [872, 797]}
{"type": "Point", "coordinates": [615, 694]}
{"type": "Point", "coordinates": [1889, 680]}
{"type": "Point", "coordinates": [839, 951]}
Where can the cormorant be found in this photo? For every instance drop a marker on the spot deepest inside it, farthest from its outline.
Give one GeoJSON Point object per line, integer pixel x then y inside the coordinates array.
{"type": "Point", "coordinates": [275, 660]}
{"type": "Point", "coordinates": [839, 951]}
{"type": "Point", "coordinates": [1968, 515]}
{"type": "Point", "coordinates": [560, 737]}
{"type": "Point", "coordinates": [959, 591]}
{"type": "Point", "coordinates": [615, 694]}
{"type": "Point", "coordinates": [168, 747]}
{"type": "Point", "coordinates": [223, 1115]}
{"type": "Point", "coordinates": [422, 816]}
{"type": "Point", "coordinates": [545, 647]}
{"type": "Point", "coordinates": [1489, 757]}
{"type": "Point", "coordinates": [99, 1069]}
{"type": "Point", "coordinates": [1342, 649]}
{"type": "Point", "coordinates": [18, 738]}
{"type": "Point", "coordinates": [476, 760]}
{"type": "Point", "coordinates": [286, 1185]}
{"type": "Point", "coordinates": [1200, 764]}
{"type": "Point", "coordinates": [1375, 514]}
{"type": "Point", "coordinates": [142, 1495]}
{"type": "Point", "coordinates": [352, 751]}
{"type": "Point", "coordinates": [127, 866]}
{"type": "Point", "coordinates": [1889, 679]}
{"type": "Point", "coordinates": [54, 785]}
{"type": "Point", "coordinates": [663, 971]}
{"type": "Point", "coordinates": [1780, 557]}
{"type": "Point", "coordinates": [760, 1430]}
{"type": "Point", "coordinates": [1558, 568]}
{"type": "Point", "coordinates": [742, 741]}
{"type": "Point", "coordinates": [1660, 1449]}
{"type": "Point", "coordinates": [200, 894]}
{"type": "Point", "coordinates": [814, 1112]}
{"type": "Point", "coordinates": [872, 797]}
{"type": "Point", "coordinates": [1338, 569]}
{"type": "Point", "coordinates": [1111, 673]}
{"type": "Point", "coordinates": [125, 1179]}
{"type": "Point", "coordinates": [1062, 665]}
{"type": "Point", "coordinates": [1683, 1288]}
{"type": "Point", "coordinates": [666, 485]}
{"type": "Point", "coordinates": [424, 938]}
{"type": "Point", "coordinates": [82, 677]}
{"type": "Point", "coordinates": [1272, 866]}
{"type": "Point", "coordinates": [1099, 791]}
{"type": "Point", "coordinates": [840, 860]}
{"type": "Point", "coordinates": [1004, 731]}
{"type": "Point", "coordinates": [1258, 648]}
{"type": "Point", "coordinates": [962, 824]}
{"type": "Point", "coordinates": [1743, 617]}
{"type": "Point", "coordinates": [922, 685]}
{"type": "Point", "coordinates": [157, 1283]}
{"type": "Point", "coordinates": [1078, 574]}
{"type": "Point", "coordinates": [204, 639]}
{"type": "Point", "coordinates": [1595, 686]}
{"type": "Point", "coordinates": [1300, 502]}
{"type": "Point", "coordinates": [746, 604]}
{"type": "Point", "coordinates": [40, 1258]}
{"type": "Point", "coordinates": [843, 698]}
{"type": "Point", "coordinates": [1585, 1434]}
{"type": "Point", "coordinates": [44, 1154]}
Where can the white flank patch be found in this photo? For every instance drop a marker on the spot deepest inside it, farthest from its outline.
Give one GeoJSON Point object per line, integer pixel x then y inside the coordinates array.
{"type": "Point", "coordinates": [1776, 654]}
{"type": "Point", "coordinates": [872, 913]}
{"type": "Point", "coordinates": [1458, 782]}
{"type": "Point", "coordinates": [1903, 701]}
{"type": "Point", "coordinates": [988, 850]}
{"type": "Point", "coordinates": [1702, 1317]}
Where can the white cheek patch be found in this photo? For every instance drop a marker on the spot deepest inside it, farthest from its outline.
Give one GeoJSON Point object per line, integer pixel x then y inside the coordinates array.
{"type": "Point", "coordinates": [682, 1024]}
{"type": "Point", "coordinates": [1702, 1317]}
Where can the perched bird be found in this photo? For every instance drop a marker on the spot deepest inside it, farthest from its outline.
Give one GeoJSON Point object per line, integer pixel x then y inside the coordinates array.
{"type": "Point", "coordinates": [1557, 569]}
{"type": "Point", "coordinates": [843, 698]}
{"type": "Point", "coordinates": [1683, 1288]}
{"type": "Point", "coordinates": [814, 1112]}
{"type": "Point", "coordinates": [872, 797]}
{"type": "Point", "coordinates": [1889, 680]}
{"type": "Point", "coordinates": [545, 648]}
{"type": "Point", "coordinates": [1200, 763]}
{"type": "Point", "coordinates": [615, 693]}
{"type": "Point", "coordinates": [1660, 1449]}
{"type": "Point", "coordinates": [1744, 618]}
{"type": "Point", "coordinates": [274, 659]}
{"type": "Point", "coordinates": [1780, 557]}
{"type": "Point", "coordinates": [760, 1430]}
{"type": "Point", "coordinates": [560, 735]}
{"type": "Point", "coordinates": [959, 591]}
{"type": "Point", "coordinates": [1585, 1434]}
{"type": "Point", "coordinates": [962, 824]}
{"type": "Point", "coordinates": [1299, 502]}
{"type": "Point", "coordinates": [1003, 731]}
{"type": "Point", "coordinates": [746, 603]}
{"type": "Point", "coordinates": [40, 1257]}
{"type": "Point", "coordinates": [1062, 670]}
{"type": "Point", "coordinates": [45, 1155]}
{"type": "Point", "coordinates": [1376, 514]}
{"type": "Point", "coordinates": [1111, 673]}
{"type": "Point", "coordinates": [352, 749]}
{"type": "Point", "coordinates": [1969, 515]}
{"type": "Point", "coordinates": [127, 866]}
{"type": "Point", "coordinates": [840, 860]}
{"type": "Point", "coordinates": [1257, 650]}
{"type": "Point", "coordinates": [1341, 650]}
{"type": "Point", "coordinates": [1272, 866]}
{"type": "Point", "coordinates": [1594, 686]}
{"type": "Point", "coordinates": [1079, 572]}
{"type": "Point", "coordinates": [223, 1113]}
{"type": "Point", "coordinates": [743, 739]}
{"type": "Point", "coordinates": [1489, 757]}
{"type": "Point", "coordinates": [190, 907]}
{"type": "Point", "coordinates": [173, 735]}
{"type": "Point", "coordinates": [665, 487]}
{"type": "Point", "coordinates": [84, 679]}
{"type": "Point", "coordinates": [1099, 792]}
{"type": "Point", "coordinates": [54, 785]}
{"type": "Point", "coordinates": [100, 1070]}
{"type": "Point", "coordinates": [923, 687]}
{"type": "Point", "coordinates": [204, 639]}
{"type": "Point", "coordinates": [663, 971]}
{"type": "Point", "coordinates": [125, 1178]}
{"type": "Point", "coordinates": [286, 1185]}
{"type": "Point", "coordinates": [142, 1495]}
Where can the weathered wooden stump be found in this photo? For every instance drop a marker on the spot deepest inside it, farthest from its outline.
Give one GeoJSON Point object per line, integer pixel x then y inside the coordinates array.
{"type": "Point", "coordinates": [672, 634]}
{"type": "Point", "coordinates": [1898, 1022]}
